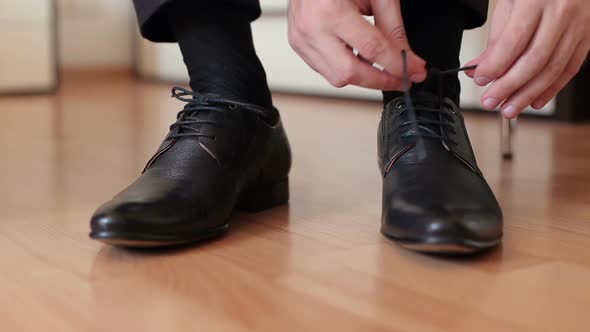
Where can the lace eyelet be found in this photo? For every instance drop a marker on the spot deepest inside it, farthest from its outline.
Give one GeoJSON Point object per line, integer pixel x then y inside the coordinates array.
{"type": "Point", "coordinates": [232, 107]}
{"type": "Point", "coordinates": [399, 105]}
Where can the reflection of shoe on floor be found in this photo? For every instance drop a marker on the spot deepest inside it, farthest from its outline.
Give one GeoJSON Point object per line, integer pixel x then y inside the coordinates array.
{"type": "Point", "coordinates": [438, 201]}
{"type": "Point", "coordinates": [219, 155]}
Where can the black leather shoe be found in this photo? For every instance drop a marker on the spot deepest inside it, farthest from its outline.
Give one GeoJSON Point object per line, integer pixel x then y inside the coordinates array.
{"type": "Point", "coordinates": [219, 155]}
{"type": "Point", "coordinates": [435, 198]}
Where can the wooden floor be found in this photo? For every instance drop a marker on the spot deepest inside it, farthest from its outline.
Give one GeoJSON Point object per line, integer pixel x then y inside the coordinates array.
{"type": "Point", "coordinates": [319, 264]}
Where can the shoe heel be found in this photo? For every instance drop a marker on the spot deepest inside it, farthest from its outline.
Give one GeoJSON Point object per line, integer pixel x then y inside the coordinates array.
{"type": "Point", "coordinates": [263, 198]}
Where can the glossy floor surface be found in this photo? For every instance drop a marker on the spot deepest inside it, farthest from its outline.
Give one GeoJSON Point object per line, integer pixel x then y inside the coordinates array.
{"type": "Point", "coordinates": [318, 264]}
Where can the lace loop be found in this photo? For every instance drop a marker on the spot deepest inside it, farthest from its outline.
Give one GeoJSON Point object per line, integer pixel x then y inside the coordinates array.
{"type": "Point", "coordinates": [197, 103]}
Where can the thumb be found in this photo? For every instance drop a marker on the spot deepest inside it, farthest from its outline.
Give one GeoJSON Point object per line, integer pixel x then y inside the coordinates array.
{"type": "Point", "coordinates": [388, 19]}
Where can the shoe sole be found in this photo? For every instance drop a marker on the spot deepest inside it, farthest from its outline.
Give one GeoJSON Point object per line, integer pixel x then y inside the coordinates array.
{"type": "Point", "coordinates": [152, 240]}
{"type": "Point", "coordinates": [252, 200]}
{"type": "Point", "coordinates": [446, 246]}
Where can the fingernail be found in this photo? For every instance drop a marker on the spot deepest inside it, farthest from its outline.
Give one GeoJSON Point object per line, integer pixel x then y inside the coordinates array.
{"type": "Point", "coordinates": [418, 77]}
{"type": "Point", "coordinates": [510, 111]}
{"type": "Point", "coordinates": [490, 103]}
{"type": "Point", "coordinates": [482, 80]}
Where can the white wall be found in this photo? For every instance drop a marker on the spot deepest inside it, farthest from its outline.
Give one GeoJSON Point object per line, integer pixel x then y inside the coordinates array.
{"type": "Point", "coordinates": [27, 61]}
{"type": "Point", "coordinates": [95, 33]}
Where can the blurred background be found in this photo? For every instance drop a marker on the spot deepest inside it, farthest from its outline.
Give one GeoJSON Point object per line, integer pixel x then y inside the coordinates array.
{"type": "Point", "coordinates": [42, 38]}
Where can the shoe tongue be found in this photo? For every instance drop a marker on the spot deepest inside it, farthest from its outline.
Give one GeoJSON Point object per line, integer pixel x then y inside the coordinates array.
{"type": "Point", "coordinates": [423, 100]}
{"type": "Point", "coordinates": [198, 115]}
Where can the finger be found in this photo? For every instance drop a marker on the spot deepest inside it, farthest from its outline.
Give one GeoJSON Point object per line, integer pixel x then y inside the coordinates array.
{"type": "Point", "coordinates": [571, 70]}
{"type": "Point", "coordinates": [511, 43]}
{"type": "Point", "coordinates": [367, 76]}
{"type": "Point", "coordinates": [475, 62]}
{"type": "Point", "coordinates": [389, 20]}
{"type": "Point", "coordinates": [310, 56]}
{"type": "Point", "coordinates": [554, 69]}
{"type": "Point", "coordinates": [347, 69]}
{"type": "Point", "coordinates": [500, 19]}
{"type": "Point", "coordinates": [528, 65]}
{"type": "Point", "coordinates": [359, 34]}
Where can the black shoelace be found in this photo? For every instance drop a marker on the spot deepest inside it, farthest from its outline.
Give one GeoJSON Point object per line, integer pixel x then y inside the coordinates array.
{"type": "Point", "coordinates": [415, 120]}
{"type": "Point", "coordinates": [196, 103]}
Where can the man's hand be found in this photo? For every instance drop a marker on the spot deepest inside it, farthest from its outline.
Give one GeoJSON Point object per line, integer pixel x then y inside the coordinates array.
{"type": "Point", "coordinates": [535, 48]}
{"type": "Point", "coordinates": [325, 32]}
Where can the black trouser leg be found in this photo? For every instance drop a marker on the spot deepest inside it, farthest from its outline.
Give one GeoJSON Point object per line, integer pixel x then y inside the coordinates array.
{"type": "Point", "coordinates": [218, 50]}
{"type": "Point", "coordinates": [435, 31]}
{"type": "Point", "coordinates": [153, 21]}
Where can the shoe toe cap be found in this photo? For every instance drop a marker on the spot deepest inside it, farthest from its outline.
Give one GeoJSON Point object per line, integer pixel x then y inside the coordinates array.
{"type": "Point", "coordinates": [423, 223]}
{"type": "Point", "coordinates": [104, 222]}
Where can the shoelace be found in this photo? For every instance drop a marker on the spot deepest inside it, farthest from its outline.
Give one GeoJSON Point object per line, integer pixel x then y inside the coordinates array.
{"type": "Point", "coordinates": [413, 112]}
{"type": "Point", "coordinates": [199, 102]}
{"type": "Point", "coordinates": [196, 103]}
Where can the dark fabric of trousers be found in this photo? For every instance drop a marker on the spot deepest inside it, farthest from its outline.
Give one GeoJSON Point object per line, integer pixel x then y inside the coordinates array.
{"type": "Point", "coordinates": [153, 22]}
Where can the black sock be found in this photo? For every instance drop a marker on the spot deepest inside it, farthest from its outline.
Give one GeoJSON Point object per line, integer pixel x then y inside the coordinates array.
{"type": "Point", "coordinates": [435, 31]}
{"type": "Point", "coordinates": [217, 47]}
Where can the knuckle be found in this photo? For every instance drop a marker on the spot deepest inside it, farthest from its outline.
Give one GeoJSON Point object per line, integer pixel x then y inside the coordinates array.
{"type": "Point", "coordinates": [371, 49]}
{"type": "Point", "coordinates": [537, 58]}
{"type": "Point", "coordinates": [515, 40]}
{"type": "Point", "coordinates": [394, 84]}
{"type": "Point", "coordinates": [398, 33]}
{"type": "Point", "coordinates": [572, 70]}
{"type": "Point", "coordinates": [538, 104]}
{"type": "Point", "coordinates": [328, 7]}
{"type": "Point", "coordinates": [342, 78]}
{"type": "Point", "coordinates": [575, 66]}
{"type": "Point", "coordinates": [301, 27]}
{"type": "Point", "coordinates": [348, 68]}
{"type": "Point", "coordinates": [510, 87]}
{"type": "Point", "coordinates": [555, 68]}
{"type": "Point", "coordinates": [566, 9]}
{"type": "Point", "coordinates": [504, 89]}
{"type": "Point", "coordinates": [294, 40]}
{"type": "Point", "coordinates": [491, 69]}
{"type": "Point", "coordinates": [338, 82]}
{"type": "Point", "coordinates": [529, 99]}
{"type": "Point", "coordinates": [545, 98]}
